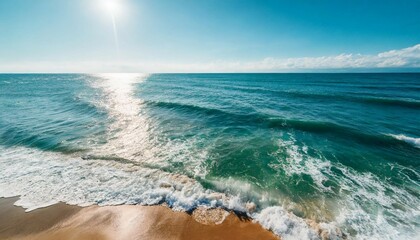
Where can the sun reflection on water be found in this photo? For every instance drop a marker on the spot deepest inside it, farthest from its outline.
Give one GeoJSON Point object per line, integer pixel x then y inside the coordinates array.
{"type": "Point", "coordinates": [134, 134]}
{"type": "Point", "coordinates": [119, 90]}
{"type": "Point", "coordinates": [129, 129]}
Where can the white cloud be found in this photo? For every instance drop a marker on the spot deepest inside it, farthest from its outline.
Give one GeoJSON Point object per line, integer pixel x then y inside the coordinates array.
{"type": "Point", "coordinates": [408, 58]}
{"type": "Point", "coordinates": [403, 58]}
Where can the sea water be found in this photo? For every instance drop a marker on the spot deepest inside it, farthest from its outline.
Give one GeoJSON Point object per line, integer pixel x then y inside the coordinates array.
{"type": "Point", "coordinates": [306, 155]}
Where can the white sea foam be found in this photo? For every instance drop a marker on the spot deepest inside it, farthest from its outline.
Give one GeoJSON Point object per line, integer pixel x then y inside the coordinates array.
{"type": "Point", "coordinates": [44, 178]}
{"type": "Point", "coordinates": [285, 224]}
{"type": "Point", "coordinates": [364, 206]}
{"type": "Point", "coordinates": [413, 141]}
{"type": "Point", "coordinates": [297, 161]}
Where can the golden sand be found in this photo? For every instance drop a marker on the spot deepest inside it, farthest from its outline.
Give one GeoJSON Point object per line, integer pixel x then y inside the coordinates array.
{"type": "Point", "coordinates": [62, 221]}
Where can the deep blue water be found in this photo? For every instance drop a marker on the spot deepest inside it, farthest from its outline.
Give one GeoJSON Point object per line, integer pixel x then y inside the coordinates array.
{"type": "Point", "coordinates": [335, 148]}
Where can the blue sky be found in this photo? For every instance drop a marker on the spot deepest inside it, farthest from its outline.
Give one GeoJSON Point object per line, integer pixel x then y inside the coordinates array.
{"type": "Point", "coordinates": [208, 36]}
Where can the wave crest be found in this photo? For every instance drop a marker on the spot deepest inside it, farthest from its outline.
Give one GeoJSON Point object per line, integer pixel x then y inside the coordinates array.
{"type": "Point", "coordinates": [410, 140]}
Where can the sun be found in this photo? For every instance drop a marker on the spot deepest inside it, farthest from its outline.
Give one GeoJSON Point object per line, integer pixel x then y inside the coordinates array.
{"type": "Point", "coordinates": [113, 7]}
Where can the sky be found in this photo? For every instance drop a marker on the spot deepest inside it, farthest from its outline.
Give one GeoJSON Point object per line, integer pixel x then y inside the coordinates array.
{"type": "Point", "coordinates": [209, 36]}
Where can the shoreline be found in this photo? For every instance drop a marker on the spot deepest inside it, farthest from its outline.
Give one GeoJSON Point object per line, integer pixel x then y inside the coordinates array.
{"type": "Point", "coordinates": [63, 221]}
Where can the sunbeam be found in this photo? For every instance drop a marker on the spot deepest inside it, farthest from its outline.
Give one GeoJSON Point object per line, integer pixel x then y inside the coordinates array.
{"type": "Point", "coordinates": [113, 8]}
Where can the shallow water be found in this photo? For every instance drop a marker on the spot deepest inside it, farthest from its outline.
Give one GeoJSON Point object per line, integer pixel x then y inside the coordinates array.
{"type": "Point", "coordinates": [341, 150]}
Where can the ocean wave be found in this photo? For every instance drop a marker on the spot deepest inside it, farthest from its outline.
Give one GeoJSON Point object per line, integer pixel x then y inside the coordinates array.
{"type": "Point", "coordinates": [283, 223]}
{"type": "Point", "coordinates": [384, 101]}
{"type": "Point", "coordinates": [410, 140]}
{"type": "Point", "coordinates": [14, 136]}
{"type": "Point", "coordinates": [76, 181]}
{"type": "Point", "coordinates": [408, 102]}
{"type": "Point", "coordinates": [376, 100]}
{"type": "Point", "coordinates": [79, 105]}
{"type": "Point", "coordinates": [43, 178]}
{"type": "Point", "coordinates": [357, 196]}
{"type": "Point", "coordinates": [188, 108]}
{"type": "Point", "coordinates": [263, 120]}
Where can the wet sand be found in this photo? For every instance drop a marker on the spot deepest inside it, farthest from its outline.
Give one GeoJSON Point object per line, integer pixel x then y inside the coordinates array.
{"type": "Point", "coordinates": [62, 221]}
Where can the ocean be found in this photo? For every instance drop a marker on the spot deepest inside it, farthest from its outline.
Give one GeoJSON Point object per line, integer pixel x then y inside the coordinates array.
{"type": "Point", "coordinates": [305, 155]}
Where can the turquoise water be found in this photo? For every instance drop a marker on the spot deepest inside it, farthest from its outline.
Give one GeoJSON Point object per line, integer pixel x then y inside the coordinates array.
{"type": "Point", "coordinates": [341, 150]}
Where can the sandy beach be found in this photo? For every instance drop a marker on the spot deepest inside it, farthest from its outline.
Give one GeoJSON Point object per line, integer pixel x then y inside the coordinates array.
{"type": "Point", "coordinates": [62, 221]}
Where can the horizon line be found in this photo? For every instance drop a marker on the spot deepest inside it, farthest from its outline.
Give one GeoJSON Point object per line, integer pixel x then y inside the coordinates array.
{"type": "Point", "coordinates": [274, 72]}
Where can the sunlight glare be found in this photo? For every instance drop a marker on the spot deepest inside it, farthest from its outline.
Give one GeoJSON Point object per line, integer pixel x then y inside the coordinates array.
{"type": "Point", "coordinates": [113, 7]}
